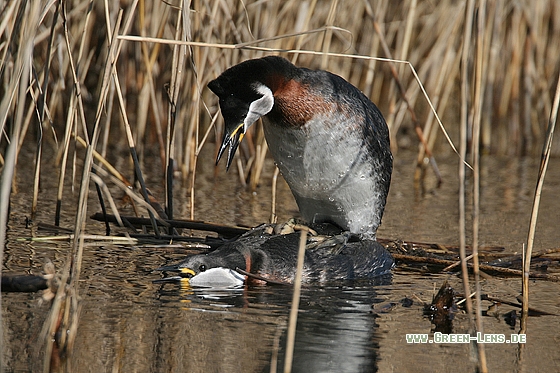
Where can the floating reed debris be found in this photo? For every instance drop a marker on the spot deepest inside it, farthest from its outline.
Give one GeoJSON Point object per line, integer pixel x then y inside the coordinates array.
{"type": "Point", "coordinates": [483, 267]}
{"type": "Point", "coordinates": [226, 231]}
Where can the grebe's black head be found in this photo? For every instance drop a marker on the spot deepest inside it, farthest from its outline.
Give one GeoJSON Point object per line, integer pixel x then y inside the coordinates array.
{"type": "Point", "coordinates": [245, 93]}
{"type": "Point", "coordinates": [192, 266]}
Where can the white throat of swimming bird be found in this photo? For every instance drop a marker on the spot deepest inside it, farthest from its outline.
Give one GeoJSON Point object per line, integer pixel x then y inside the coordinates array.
{"type": "Point", "coordinates": [260, 107]}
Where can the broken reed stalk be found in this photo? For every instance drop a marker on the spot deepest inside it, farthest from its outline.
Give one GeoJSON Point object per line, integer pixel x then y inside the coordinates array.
{"type": "Point", "coordinates": [102, 187]}
{"type": "Point", "coordinates": [69, 129]}
{"type": "Point", "coordinates": [134, 198]}
{"type": "Point", "coordinates": [536, 202]}
{"type": "Point", "coordinates": [292, 323]}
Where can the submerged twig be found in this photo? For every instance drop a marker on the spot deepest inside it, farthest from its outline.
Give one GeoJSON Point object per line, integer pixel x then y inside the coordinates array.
{"type": "Point", "coordinates": [483, 267]}
{"type": "Point", "coordinates": [532, 310]}
{"type": "Point", "coordinates": [23, 283]}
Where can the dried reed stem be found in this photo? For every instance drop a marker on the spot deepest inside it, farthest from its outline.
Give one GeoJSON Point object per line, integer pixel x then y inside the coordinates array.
{"type": "Point", "coordinates": [179, 51]}
{"type": "Point", "coordinates": [480, 65]}
{"type": "Point", "coordinates": [17, 89]}
{"type": "Point", "coordinates": [41, 106]}
{"type": "Point", "coordinates": [290, 340]}
{"type": "Point", "coordinates": [536, 202]}
{"type": "Point", "coordinates": [467, 33]}
{"type": "Point", "coordinates": [273, 216]}
{"type": "Point", "coordinates": [410, 108]}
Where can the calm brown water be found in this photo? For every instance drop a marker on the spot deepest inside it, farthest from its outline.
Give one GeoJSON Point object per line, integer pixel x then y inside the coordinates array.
{"type": "Point", "coordinates": [128, 324]}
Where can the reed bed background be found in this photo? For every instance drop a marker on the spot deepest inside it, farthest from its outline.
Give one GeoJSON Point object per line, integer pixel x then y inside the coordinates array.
{"type": "Point", "coordinates": [73, 78]}
{"type": "Point", "coordinates": [520, 66]}
{"type": "Point", "coordinates": [168, 110]}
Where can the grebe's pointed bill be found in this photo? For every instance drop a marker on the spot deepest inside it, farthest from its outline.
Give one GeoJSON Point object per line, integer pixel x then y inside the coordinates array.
{"type": "Point", "coordinates": [232, 140]}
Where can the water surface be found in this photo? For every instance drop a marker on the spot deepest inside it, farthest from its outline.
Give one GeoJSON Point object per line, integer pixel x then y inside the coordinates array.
{"type": "Point", "coordinates": [129, 324]}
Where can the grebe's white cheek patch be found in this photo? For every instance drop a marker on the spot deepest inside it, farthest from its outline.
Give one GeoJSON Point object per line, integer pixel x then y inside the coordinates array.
{"type": "Point", "coordinates": [260, 107]}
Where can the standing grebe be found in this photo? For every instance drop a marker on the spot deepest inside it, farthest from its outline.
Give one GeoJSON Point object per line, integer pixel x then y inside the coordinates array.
{"type": "Point", "coordinates": [328, 139]}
